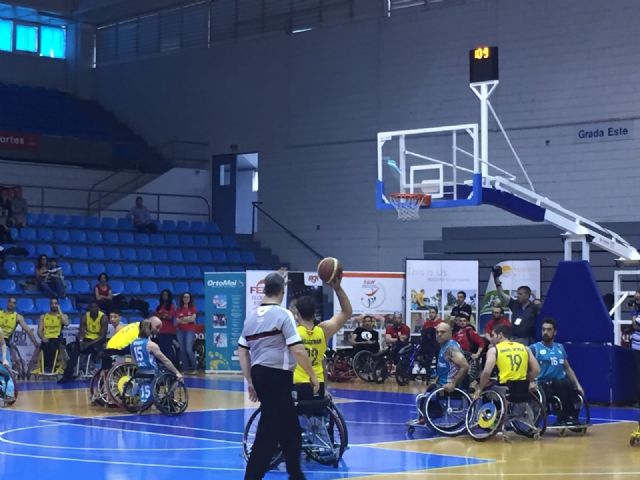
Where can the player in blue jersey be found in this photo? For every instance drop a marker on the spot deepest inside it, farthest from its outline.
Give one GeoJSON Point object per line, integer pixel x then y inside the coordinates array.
{"type": "Point", "coordinates": [556, 377]}
{"type": "Point", "coordinates": [146, 352]}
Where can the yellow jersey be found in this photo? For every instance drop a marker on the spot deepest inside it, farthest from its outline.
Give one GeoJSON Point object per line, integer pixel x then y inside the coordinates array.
{"type": "Point", "coordinates": [124, 337]}
{"type": "Point", "coordinates": [93, 326]}
{"type": "Point", "coordinates": [316, 346]}
{"type": "Point", "coordinates": [52, 325]}
{"type": "Point", "coordinates": [8, 322]}
{"type": "Point", "coordinates": [512, 360]}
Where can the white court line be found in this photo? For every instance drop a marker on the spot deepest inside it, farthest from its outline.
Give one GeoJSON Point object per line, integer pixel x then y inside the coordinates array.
{"type": "Point", "coordinates": [106, 419]}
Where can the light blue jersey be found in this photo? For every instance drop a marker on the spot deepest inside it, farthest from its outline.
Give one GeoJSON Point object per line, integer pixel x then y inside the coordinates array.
{"type": "Point", "coordinates": [446, 370]}
{"type": "Point", "coordinates": [551, 359]}
{"type": "Point", "coordinates": [141, 355]}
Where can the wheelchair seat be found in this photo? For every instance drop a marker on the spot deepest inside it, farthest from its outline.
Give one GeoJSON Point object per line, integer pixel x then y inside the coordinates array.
{"type": "Point", "coordinates": [518, 391]}
{"type": "Point", "coordinates": [313, 407]}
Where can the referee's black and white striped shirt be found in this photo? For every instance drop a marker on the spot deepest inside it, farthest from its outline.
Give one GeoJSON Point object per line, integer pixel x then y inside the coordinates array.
{"type": "Point", "coordinates": [268, 333]}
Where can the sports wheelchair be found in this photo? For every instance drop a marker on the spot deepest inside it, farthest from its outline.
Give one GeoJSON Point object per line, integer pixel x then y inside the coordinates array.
{"type": "Point", "coordinates": [553, 406]}
{"type": "Point", "coordinates": [441, 411]}
{"type": "Point", "coordinates": [8, 386]}
{"type": "Point", "coordinates": [324, 432]}
{"type": "Point", "coordinates": [106, 386]}
{"type": "Point", "coordinates": [160, 388]}
{"type": "Point", "coordinates": [339, 366]}
{"type": "Point", "coordinates": [506, 407]}
{"type": "Point", "coordinates": [372, 367]}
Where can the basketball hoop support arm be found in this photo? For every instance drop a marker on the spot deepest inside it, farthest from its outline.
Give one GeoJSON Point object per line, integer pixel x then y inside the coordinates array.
{"type": "Point", "coordinates": [483, 91]}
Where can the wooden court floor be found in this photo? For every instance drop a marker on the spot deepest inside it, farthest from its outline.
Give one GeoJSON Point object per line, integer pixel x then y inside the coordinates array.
{"type": "Point", "coordinates": [54, 433]}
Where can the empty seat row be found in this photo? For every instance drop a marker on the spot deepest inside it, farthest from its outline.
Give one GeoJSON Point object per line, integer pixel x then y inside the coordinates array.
{"type": "Point", "coordinates": [134, 287]}
{"type": "Point", "coordinates": [109, 223]}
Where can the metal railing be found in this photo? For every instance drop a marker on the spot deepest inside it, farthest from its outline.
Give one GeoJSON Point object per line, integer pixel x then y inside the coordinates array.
{"type": "Point", "coordinates": [78, 201]}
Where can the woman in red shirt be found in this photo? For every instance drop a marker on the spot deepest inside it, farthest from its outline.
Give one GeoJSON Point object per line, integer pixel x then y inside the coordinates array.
{"type": "Point", "coordinates": [103, 293]}
{"type": "Point", "coordinates": [186, 318]}
{"type": "Point", "coordinates": [166, 311]}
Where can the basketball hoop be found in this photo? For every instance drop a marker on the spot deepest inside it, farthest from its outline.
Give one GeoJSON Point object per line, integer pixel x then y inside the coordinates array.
{"type": "Point", "coordinates": [408, 204]}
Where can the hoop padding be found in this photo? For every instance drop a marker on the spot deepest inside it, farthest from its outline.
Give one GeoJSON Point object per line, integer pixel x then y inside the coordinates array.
{"type": "Point", "coordinates": [408, 204]}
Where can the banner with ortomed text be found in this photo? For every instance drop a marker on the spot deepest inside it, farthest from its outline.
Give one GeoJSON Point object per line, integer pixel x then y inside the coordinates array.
{"type": "Point", "coordinates": [437, 283]}
{"type": "Point", "coordinates": [224, 317]}
{"type": "Point", "coordinates": [512, 274]}
{"type": "Point", "coordinates": [378, 294]}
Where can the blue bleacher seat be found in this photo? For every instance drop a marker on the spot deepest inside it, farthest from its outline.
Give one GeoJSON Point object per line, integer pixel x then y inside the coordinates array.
{"type": "Point", "coordinates": [223, 268]}
{"type": "Point", "coordinates": [211, 227]}
{"type": "Point", "coordinates": [81, 269]}
{"type": "Point", "coordinates": [204, 256]}
{"type": "Point", "coordinates": [108, 223]}
{"type": "Point", "coordinates": [68, 287]}
{"type": "Point", "coordinates": [44, 234]}
{"type": "Point", "coordinates": [233, 256]}
{"type": "Point", "coordinates": [162, 271]}
{"type": "Point", "coordinates": [230, 241]}
{"type": "Point", "coordinates": [25, 305]}
{"type": "Point", "coordinates": [124, 224]}
{"type": "Point", "coordinates": [45, 250]}
{"type": "Point", "coordinates": [44, 219]}
{"type": "Point", "coordinates": [143, 254]}
{"type": "Point", "coordinates": [96, 253]}
{"type": "Point", "coordinates": [236, 268]}
{"type": "Point", "coordinates": [132, 287]}
{"type": "Point", "coordinates": [30, 248]}
{"type": "Point", "coordinates": [26, 268]}
{"type": "Point", "coordinates": [190, 256]}
{"type": "Point", "coordinates": [197, 226]}
{"type": "Point", "coordinates": [193, 271]}
{"type": "Point", "coordinates": [15, 233]}
{"type": "Point", "coordinates": [66, 268]}
{"type": "Point", "coordinates": [114, 270]}
{"type": "Point", "coordinates": [200, 241]}
{"type": "Point", "coordinates": [110, 238]}
{"type": "Point", "coordinates": [7, 286]}
{"type": "Point", "coordinates": [126, 238]}
{"type": "Point", "coordinates": [93, 222]}
{"type": "Point", "coordinates": [79, 252]}
{"type": "Point", "coordinates": [156, 239]}
{"type": "Point", "coordinates": [149, 287]}
{"type": "Point", "coordinates": [94, 237]}
{"type": "Point", "coordinates": [178, 271]}
{"type": "Point", "coordinates": [27, 233]}
{"type": "Point", "coordinates": [61, 220]}
{"type": "Point", "coordinates": [65, 305]}
{"type": "Point", "coordinates": [130, 270]}
{"type": "Point", "coordinates": [172, 240]}
{"type": "Point", "coordinates": [77, 221]}
{"type": "Point", "coordinates": [248, 257]}
{"type": "Point", "coordinates": [168, 226]}
{"type": "Point", "coordinates": [128, 253]}
{"type": "Point", "coordinates": [180, 287]}
{"type": "Point", "coordinates": [11, 267]}
{"type": "Point", "coordinates": [165, 285]}
{"type": "Point", "coordinates": [182, 226]}
{"type": "Point", "coordinates": [196, 288]}
{"type": "Point", "coordinates": [42, 305]}
{"type": "Point", "coordinates": [117, 286]}
{"type": "Point", "coordinates": [219, 256]}
{"type": "Point", "coordinates": [175, 255]}
{"type": "Point", "coordinates": [215, 241]}
{"type": "Point", "coordinates": [159, 254]}
{"type": "Point", "coordinates": [61, 235]}
{"type": "Point", "coordinates": [111, 253]}
{"type": "Point", "coordinates": [33, 219]}
{"type": "Point", "coordinates": [96, 269]}
{"type": "Point", "coordinates": [186, 240]}
{"type": "Point", "coordinates": [199, 304]}
{"type": "Point", "coordinates": [81, 286]}
{"type": "Point", "coordinates": [147, 270]}
{"type": "Point", "coordinates": [63, 251]}
{"type": "Point", "coordinates": [78, 236]}
{"type": "Point", "coordinates": [141, 238]}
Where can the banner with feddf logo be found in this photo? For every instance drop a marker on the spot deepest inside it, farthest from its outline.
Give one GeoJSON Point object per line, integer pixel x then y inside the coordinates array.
{"type": "Point", "coordinates": [378, 294]}
{"type": "Point", "coordinates": [224, 317]}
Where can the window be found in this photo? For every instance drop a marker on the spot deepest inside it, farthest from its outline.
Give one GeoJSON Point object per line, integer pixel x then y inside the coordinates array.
{"type": "Point", "coordinates": [52, 42]}
{"type": "Point", "coordinates": [6, 35]}
{"type": "Point", "coordinates": [27, 38]}
{"type": "Point", "coordinates": [225, 175]}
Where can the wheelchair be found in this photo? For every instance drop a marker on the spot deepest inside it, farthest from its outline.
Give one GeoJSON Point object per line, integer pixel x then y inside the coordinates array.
{"type": "Point", "coordinates": [162, 389]}
{"type": "Point", "coordinates": [8, 386]}
{"type": "Point", "coordinates": [21, 367]}
{"type": "Point", "coordinates": [443, 412]}
{"type": "Point", "coordinates": [372, 367]}
{"type": "Point", "coordinates": [324, 432]}
{"type": "Point", "coordinates": [59, 362]}
{"type": "Point", "coordinates": [553, 406]}
{"type": "Point", "coordinates": [339, 366]}
{"type": "Point", "coordinates": [501, 408]}
{"type": "Point", "coordinates": [106, 384]}
{"type": "Point", "coordinates": [410, 358]}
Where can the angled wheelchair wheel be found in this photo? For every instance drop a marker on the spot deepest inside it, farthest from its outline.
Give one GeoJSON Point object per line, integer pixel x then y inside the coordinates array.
{"type": "Point", "coordinates": [584, 415]}
{"type": "Point", "coordinates": [446, 413]}
{"type": "Point", "coordinates": [249, 436]}
{"type": "Point", "coordinates": [486, 415]}
{"type": "Point", "coordinates": [9, 387]}
{"type": "Point", "coordinates": [332, 406]}
{"type": "Point", "coordinates": [363, 365]}
{"type": "Point", "coordinates": [98, 394]}
{"type": "Point", "coordinates": [169, 394]}
{"type": "Point", "coordinates": [323, 439]}
{"type": "Point", "coordinates": [132, 395]}
{"type": "Point", "coordinates": [528, 418]}
{"type": "Point", "coordinates": [117, 376]}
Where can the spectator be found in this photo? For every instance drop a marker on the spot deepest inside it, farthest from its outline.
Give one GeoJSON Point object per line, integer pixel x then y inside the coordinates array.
{"type": "Point", "coordinates": [365, 337]}
{"type": "Point", "coordinates": [428, 339]}
{"type": "Point", "coordinates": [461, 306]}
{"type": "Point", "coordinates": [114, 320]}
{"type": "Point", "coordinates": [140, 217]}
{"type": "Point", "coordinates": [56, 277]}
{"type": "Point", "coordinates": [467, 338]}
{"type": "Point", "coordinates": [52, 286]}
{"type": "Point", "coordinates": [18, 209]}
{"type": "Point", "coordinates": [186, 318]}
{"type": "Point", "coordinates": [397, 335]}
{"type": "Point", "coordinates": [103, 293]}
{"type": "Point", "coordinates": [523, 313]}
{"type": "Point", "coordinates": [50, 328]}
{"type": "Point", "coordinates": [497, 318]}
{"type": "Point", "coordinates": [166, 311]}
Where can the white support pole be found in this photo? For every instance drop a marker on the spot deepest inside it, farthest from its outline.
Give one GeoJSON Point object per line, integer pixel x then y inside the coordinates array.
{"type": "Point", "coordinates": [569, 240]}
{"type": "Point", "coordinates": [484, 132]}
{"type": "Point", "coordinates": [454, 147]}
{"type": "Point", "coordinates": [403, 163]}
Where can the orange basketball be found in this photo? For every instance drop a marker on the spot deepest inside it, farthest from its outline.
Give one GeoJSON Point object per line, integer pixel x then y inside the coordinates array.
{"type": "Point", "coordinates": [329, 268]}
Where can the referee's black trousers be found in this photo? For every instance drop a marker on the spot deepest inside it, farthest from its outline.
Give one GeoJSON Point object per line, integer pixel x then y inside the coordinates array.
{"type": "Point", "coordinates": [278, 427]}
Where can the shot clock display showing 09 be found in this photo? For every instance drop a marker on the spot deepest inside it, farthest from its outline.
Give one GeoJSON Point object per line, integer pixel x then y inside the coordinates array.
{"type": "Point", "coordinates": [483, 64]}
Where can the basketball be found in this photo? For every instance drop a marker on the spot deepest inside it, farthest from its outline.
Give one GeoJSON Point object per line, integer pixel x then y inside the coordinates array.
{"type": "Point", "coordinates": [328, 268]}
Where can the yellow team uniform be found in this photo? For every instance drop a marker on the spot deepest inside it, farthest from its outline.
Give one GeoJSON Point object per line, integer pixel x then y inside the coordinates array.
{"type": "Point", "coordinates": [512, 360]}
{"type": "Point", "coordinates": [316, 346]}
{"type": "Point", "coordinates": [8, 322]}
{"type": "Point", "coordinates": [52, 325]}
{"type": "Point", "coordinates": [124, 337]}
{"type": "Point", "coordinates": [93, 326]}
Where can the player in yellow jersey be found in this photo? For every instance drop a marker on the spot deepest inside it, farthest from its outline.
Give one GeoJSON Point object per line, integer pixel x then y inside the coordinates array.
{"type": "Point", "coordinates": [315, 337]}
{"type": "Point", "coordinates": [514, 361]}
{"type": "Point", "coordinates": [9, 320]}
{"type": "Point", "coordinates": [50, 328]}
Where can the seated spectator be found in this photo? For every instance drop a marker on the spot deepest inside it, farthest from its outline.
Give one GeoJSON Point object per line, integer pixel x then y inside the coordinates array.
{"type": "Point", "coordinates": [466, 336]}
{"type": "Point", "coordinates": [114, 320]}
{"type": "Point", "coordinates": [186, 318]}
{"type": "Point", "coordinates": [103, 293]}
{"type": "Point", "coordinates": [140, 217]}
{"type": "Point", "coordinates": [56, 277]}
{"type": "Point", "coordinates": [497, 318]}
{"type": "Point", "coordinates": [50, 284]}
{"type": "Point", "coordinates": [365, 337]}
{"type": "Point", "coordinates": [18, 209]}
{"type": "Point", "coordinates": [397, 335]}
{"type": "Point", "coordinates": [166, 312]}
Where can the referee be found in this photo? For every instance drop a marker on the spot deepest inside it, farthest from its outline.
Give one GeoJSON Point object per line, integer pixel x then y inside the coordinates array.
{"type": "Point", "coordinates": [270, 346]}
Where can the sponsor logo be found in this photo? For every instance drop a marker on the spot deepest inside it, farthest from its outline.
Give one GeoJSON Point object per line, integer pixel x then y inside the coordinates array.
{"type": "Point", "coordinates": [373, 294]}
{"type": "Point", "coordinates": [225, 283]}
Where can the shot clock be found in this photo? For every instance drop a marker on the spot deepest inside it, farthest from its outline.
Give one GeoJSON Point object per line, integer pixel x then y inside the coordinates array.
{"type": "Point", "coordinates": [483, 64]}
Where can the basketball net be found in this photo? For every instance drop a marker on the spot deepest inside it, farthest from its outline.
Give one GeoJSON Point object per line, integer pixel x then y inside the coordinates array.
{"type": "Point", "coordinates": [408, 204]}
